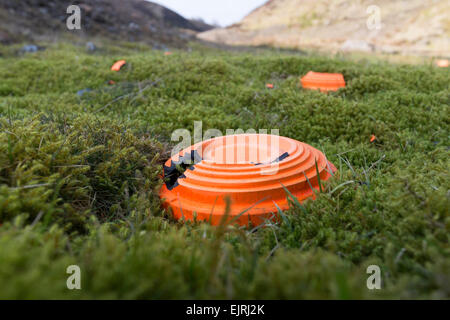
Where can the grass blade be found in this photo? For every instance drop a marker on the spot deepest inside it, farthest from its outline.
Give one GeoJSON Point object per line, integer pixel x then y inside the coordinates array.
{"type": "Point", "coordinates": [282, 215]}
{"type": "Point", "coordinates": [240, 214]}
{"type": "Point", "coordinates": [318, 176]}
{"type": "Point", "coordinates": [294, 199]}
{"type": "Point", "coordinates": [309, 182]}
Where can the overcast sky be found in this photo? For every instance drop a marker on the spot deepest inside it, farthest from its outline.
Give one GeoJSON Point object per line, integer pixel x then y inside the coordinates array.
{"type": "Point", "coordinates": [222, 12]}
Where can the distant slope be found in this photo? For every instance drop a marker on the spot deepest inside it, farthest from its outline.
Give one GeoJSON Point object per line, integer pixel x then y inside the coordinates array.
{"type": "Point", "coordinates": [413, 26]}
{"type": "Point", "coordinates": [118, 19]}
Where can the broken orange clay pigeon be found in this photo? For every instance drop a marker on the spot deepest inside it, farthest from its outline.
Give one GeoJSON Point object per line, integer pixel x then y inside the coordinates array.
{"type": "Point", "coordinates": [269, 86]}
{"type": "Point", "coordinates": [373, 138]}
{"type": "Point", "coordinates": [254, 174]}
{"type": "Point", "coordinates": [444, 63]}
{"type": "Point", "coordinates": [167, 53]}
{"type": "Point", "coordinates": [118, 65]}
{"type": "Point", "coordinates": [323, 81]}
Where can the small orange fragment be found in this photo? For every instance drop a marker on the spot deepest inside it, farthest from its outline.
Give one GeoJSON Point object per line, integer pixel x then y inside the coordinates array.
{"type": "Point", "coordinates": [269, 86]}
{"type": "Point", "coordinates": [323, 81]}
{"type": "Point", "coordinates": [373, 138]}
{"type": "Point", "coordinates": [118, 65]}
{"type": "Point", "coordinates": [444, 63]}
{"type": "Point", "coordinates": [167, 53]}
{"type": "Point", "coordinates": [111, 82]}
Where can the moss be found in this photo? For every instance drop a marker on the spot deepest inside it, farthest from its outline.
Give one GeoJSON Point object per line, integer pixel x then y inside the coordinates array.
{"type": "Point", "coordinates": [80, 175]}
{"type": "Point", "coordinates": [70, 168]}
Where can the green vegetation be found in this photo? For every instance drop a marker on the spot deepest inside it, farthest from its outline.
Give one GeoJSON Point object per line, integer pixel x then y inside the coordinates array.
{"type": "Point", "coordinates": [79, 176]}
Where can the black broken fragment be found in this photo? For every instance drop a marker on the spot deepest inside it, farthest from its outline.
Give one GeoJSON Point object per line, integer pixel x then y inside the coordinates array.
{"type": "Point", "coordinates": [172, 173]}
{"type": "Point", "coordinates": [279, 159]}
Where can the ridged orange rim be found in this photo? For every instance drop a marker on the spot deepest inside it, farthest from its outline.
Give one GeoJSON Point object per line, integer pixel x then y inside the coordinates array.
{"type": "Point", "coordinates": [323, 81]}
{"type": "Point", "coordinates": [251, 170]}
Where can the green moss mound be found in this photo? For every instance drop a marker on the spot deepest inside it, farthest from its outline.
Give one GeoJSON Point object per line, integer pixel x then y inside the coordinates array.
{"type": "Point", "coordinates": [80, 173]}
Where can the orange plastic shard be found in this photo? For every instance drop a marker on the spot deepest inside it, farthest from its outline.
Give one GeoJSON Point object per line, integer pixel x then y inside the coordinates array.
{"type": "Point", "coordinates": [323, 81]}
{"type": "Point", "coordinates": [269, 86]}
{"type": "Point", "coordinates": [251, 170]}
{"type": "Point", "coordinates": [118, 65]}
{"type": "Point", "coordinates": [373, 138]}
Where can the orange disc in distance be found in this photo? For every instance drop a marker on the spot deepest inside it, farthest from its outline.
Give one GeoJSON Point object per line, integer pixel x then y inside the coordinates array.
{"type": "Point", "coordinates": [443, 63]}
{"type": "Point", "coordinates": [250, 170]}
{"type": "Point", "coordinates": [323, 81]}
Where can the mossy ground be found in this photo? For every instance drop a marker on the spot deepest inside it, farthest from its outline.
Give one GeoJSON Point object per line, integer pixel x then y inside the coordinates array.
{"type": "Point", "coordinates": [79, 176]}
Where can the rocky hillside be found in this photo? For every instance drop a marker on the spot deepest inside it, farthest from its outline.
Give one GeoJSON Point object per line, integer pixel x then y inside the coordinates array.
{"type": "Point", "coordinates": [131, 20]}
{"type": "Point", "coordinates": [413, 26]}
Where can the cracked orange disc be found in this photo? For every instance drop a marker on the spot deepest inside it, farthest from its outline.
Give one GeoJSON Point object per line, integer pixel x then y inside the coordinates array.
{"type": "Point", "coordinates": [251, 170]}
{"type": "Point", "coordinates": [323, 81]}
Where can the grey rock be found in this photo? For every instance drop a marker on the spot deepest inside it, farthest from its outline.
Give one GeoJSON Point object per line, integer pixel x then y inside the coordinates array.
{"type": "Point", "coordinates": [90, 47]}
{"type": "Point", "coordinates": [30, 48]}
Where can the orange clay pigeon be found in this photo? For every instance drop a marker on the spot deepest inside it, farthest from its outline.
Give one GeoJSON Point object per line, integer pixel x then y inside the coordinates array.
{"type": "Point", "coordinates": [323, 81]}
{"type": "Point", "coordinates": [253, 171]}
